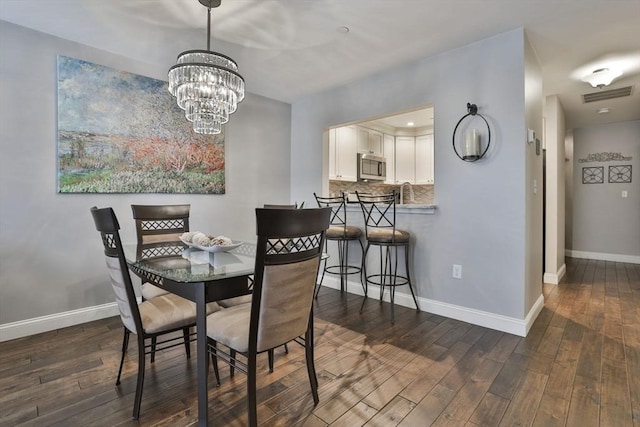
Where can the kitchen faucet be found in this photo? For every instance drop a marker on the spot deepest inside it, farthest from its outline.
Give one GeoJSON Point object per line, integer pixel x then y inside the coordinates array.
{"type": "Point", "coordinates": [411, 198]}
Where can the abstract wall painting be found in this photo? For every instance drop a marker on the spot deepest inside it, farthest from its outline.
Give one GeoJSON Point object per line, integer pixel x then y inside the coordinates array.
{"type": "Point", "coordinates": [120, 132]}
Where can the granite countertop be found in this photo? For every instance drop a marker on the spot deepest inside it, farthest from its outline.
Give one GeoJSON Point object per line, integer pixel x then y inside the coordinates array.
{"type": "Point", "coordinates": [408, 208]}
{"type": "Point", "coordinates": [416, 208]}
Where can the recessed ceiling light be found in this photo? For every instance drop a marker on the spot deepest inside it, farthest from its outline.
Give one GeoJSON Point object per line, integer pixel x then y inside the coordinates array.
{"type": "Point", "coordinates": [410, 123]}
{"type": "Point", "coordinates": [343, 29]}
{"type": "Point", "coordinates": [603, 110]}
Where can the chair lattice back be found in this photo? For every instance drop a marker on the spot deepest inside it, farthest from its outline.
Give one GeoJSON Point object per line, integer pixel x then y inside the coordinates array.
{"type": "Point", "coordinates": [287, 259]}
{"type": "Point", "coordinates": [162, 249]}
{"type": "Point", "coordinates": [293, 245]}
{"type": "Point", "coordinates": [158, 223]}
{"type": "Point", "coordinates": [107, 224]}
{"type": "Point", "coordinates": [162, 225]}
{"type": "Point", "coordinates": [379, 210]}
{"type": "Point", "coordinates": [338, 208]}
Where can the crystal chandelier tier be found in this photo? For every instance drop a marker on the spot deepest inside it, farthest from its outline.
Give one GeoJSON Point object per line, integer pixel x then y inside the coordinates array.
{"type": "Point", "coordinates": [206, 84]}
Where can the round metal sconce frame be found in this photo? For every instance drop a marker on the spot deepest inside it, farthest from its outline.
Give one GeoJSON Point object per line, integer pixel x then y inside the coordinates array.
{"type": "Point", "coordinates": [472, 110]}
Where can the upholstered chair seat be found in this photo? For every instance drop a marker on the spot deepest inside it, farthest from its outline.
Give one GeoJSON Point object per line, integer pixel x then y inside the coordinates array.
{"type": "Point", "coordinates": [149, 291]}
{"type": "Point", "coordinates": [231, 327]}
{"type": "Point", "coordinates": [347, 232]}
{"type": "Point", "coordinates": [232, 302]}
{"type": "Point", "coordinates": [387, 235]}
{"type": "Point", "coordinates": [169, 311]}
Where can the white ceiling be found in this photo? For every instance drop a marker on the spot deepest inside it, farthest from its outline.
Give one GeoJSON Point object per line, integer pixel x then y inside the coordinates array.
{"type": "Point", "coordinates": [286, 49]}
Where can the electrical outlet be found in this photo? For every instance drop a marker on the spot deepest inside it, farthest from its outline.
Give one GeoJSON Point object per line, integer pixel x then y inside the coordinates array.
{"type": "Point", "coordinates": [456, 272]}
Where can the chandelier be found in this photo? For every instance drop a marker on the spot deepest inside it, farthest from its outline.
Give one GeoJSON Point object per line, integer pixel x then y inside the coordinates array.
{"type": "Point", "coordinates": [206, 84]}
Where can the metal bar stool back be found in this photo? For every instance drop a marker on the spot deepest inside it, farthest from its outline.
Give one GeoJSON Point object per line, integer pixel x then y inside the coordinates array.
{"type": "Point", "coordinates": [380, 230]}
{"type": "Point", "coordinates": [341, 233]}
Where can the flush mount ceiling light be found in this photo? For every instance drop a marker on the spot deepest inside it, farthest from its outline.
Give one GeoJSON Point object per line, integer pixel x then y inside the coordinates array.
{"type": "Point", "coordinates": [206, 84]}
{"type": "Point", "coordinates": [602, 77]}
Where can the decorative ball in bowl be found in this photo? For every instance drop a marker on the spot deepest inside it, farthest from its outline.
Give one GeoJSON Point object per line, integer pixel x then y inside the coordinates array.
{"type": "Point", "coordinates": [208, 243]}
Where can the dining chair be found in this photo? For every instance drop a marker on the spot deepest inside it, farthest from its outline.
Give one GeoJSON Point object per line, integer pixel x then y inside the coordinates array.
{"type": "Point", "coordinates": [246, 299]}
{"type": "Point", "coordinates": [342, 234]}
{"type": "Point", "coordinates": [380, 231]}
{"type": "Point", "coordinates": [288, 252]}
{"type": "Point", "coordinates": [148, 320]}
{"type": "Point", "coordinates": [157, 224]}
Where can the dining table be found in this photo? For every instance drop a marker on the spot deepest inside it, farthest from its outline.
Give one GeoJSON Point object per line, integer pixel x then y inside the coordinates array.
{"type": "Point", "coordinates": [199, 275]}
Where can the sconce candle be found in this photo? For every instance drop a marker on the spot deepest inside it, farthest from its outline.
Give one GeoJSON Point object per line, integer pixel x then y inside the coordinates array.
{"type": "Point", "coordinates": [471, 145]}
{"type": "Point", "coordinates": [471, 150]}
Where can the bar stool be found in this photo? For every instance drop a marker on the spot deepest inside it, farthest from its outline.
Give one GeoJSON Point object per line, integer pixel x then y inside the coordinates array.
{"type": "Point", "coordinates": [380, 218]}
{"type": "Point", "coordinates": [342, 234]}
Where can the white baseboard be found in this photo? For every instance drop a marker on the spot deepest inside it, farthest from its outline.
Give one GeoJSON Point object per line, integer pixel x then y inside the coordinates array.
{"type": "Point", "coordinates": [630, 259]}
{"type": "Point", "coordinates": [37, 325]}
{"type": "Point", "coordinates": [554, 278]}
{"type": "Point", "coordinates": [498, 322]}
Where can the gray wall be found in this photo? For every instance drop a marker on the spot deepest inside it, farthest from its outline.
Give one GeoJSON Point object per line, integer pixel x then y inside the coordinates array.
{"type": "Point", "coordinates": [603, 221]}
{"type": "Point", "coordinates": [50, 254]}
{"type": "Point", "coordinates": [533, 183]}
{"type": "Point", "coordinates": [555, 190]}
{"type": "Point", "coordinates": [482, 220]}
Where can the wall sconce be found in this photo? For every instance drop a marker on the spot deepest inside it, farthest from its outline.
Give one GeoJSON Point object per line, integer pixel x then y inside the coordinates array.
{"type": "Point", "coordinates": [472, 147]}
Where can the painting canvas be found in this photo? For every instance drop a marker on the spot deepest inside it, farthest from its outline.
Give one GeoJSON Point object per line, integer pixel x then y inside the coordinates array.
{"type": "Point", "coordinates": [120, 132]}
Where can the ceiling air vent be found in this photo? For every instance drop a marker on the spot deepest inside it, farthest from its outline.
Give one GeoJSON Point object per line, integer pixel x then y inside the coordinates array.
{"type": "Point", "coordinates": [606, 94]}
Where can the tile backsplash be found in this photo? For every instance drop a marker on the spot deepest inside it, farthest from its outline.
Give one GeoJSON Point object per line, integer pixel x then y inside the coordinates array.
{"type": "Point", "coordinates": [423, 194]}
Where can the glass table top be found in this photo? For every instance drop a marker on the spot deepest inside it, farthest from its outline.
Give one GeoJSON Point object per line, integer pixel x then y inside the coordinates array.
{"type": "Point", "coordinates": [177, 262]}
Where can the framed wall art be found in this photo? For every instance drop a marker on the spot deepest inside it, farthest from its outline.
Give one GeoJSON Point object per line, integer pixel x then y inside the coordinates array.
{"type": "Point", "coordinates": [119, 132]}
{"type": "Point", "coordinates": [620, 174]}
{"type": "Point", "coordinates": [593, 175]}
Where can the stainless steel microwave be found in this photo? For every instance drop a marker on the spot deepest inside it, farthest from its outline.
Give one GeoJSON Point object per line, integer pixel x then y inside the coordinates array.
{"type": "Point", "coordinates": [371, 167]}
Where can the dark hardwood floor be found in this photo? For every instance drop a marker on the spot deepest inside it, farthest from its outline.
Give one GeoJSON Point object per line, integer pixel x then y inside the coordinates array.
{"type": "Point", "coordinates": [579, 366]}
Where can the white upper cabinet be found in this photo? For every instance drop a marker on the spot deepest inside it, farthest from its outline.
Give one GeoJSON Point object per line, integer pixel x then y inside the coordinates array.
{"type": "Point", "coordinates": [424, 159]}
{"type": "Point", "coordinates": [370, 141]}
{"type": "Point", "coordinates": [389, 153]}
{"type": "Point", "coordinates": [405, 169]}
{"type": "Point", "coordinates": [343, 154]}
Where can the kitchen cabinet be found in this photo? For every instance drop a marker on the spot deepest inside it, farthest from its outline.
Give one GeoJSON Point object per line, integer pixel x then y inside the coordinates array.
{"type": "Point", "coordinates": [343, 154]}
{"type": "Point", "coordinates": [369, 141]}
{"type": "Point", "coordinates": [424, 159]}
{"type": "Point", "coordinates": [405, 168]}
{"type": "Point", "coordinates": [389, 153]}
